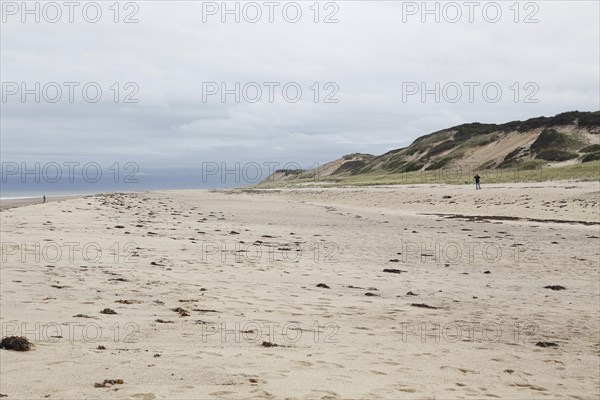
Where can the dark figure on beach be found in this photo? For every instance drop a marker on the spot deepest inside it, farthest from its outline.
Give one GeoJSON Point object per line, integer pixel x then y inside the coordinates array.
{"type": "Point", "coordinates": [477, 184]}
{"type": "Point", "coordinates": [44, 198]}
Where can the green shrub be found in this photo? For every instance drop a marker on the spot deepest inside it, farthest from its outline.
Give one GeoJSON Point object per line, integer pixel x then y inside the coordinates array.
{"type": "Point", "coordinates": [487, 165]}
{"type": "Point", "coordinates": [550, 139]}
{"type": "Point", "coordinates": [533, 123]}
{"type": "Point", "coordinates": [440, 148]}
{"type": "Point", "coordinates": [357, 155]}
{"type": "Point", "coordinates": [482, 141]}
{"type": "Point", "coordinates": [394, 163]}
{"type": "Point", "coordinates": [513, 154]}
{"type": "Point", "coordinates": [529, 164]}
{"type": "Point", "coordinates": [521, 164]}
{"type": "Point", "coordinates": [566, 118]}
{"type": "Point", "coordinates": [591, 157]}
{"type": "Point", "coordinates": [353, 167]}
{"type": "Point", "coordinates": [467, 131]}
{"type": "Point", "coordinates": [585, 120]}
{"type": "Point", "coordinates": [589, 120]}
{"type": "Point", "coordinates": [556, 155]}
{"type": "Point", "coordinates": [287, 172]}
{"type": "Point", "coordinates": [439, 163]}
{"type": "Point", "coordinates": [412, 166]}
{"type": "Point", "coordinates": [590, 149]}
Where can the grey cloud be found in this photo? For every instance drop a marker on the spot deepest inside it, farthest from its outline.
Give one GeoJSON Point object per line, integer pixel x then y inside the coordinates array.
{"type": "Point", "coordinates": [369, 54]}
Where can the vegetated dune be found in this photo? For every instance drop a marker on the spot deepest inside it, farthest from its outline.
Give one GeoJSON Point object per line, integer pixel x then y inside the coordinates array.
{"type": "Point", "coordinates": [565, 139]}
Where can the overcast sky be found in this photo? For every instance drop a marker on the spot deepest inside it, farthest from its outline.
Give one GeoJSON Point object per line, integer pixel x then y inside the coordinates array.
{"type": "Point", "coordinates": [374, 55]}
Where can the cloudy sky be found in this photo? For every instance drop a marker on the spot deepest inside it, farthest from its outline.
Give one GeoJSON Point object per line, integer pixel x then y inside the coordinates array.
{"type": "Point", "coordinates": [359, 76]}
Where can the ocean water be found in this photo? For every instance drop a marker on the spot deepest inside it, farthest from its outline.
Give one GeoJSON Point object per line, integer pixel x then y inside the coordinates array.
{"type": "Point", "coordinates": [14, 187]}
{"type": "Point", "coordinates": [34, 180]}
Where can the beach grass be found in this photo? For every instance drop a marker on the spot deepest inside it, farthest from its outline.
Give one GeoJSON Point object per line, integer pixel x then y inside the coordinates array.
{"type": "Point", "coordinates": [453, 175]}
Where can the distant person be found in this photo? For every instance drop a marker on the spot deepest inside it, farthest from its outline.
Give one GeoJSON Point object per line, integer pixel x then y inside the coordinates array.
{"type": "Point", "coordinates": [44, 198]}
{"type": "Point", "coordinates": [477, 183]}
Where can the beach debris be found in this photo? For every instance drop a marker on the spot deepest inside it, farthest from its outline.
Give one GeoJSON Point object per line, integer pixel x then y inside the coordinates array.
{"type": "Point", "coordinates": [269, 344]}
{"type": "Point", "coordinates": [422, 305]}
{"type": "Point", "coordinates": [162, 321]}
{"type": "Point", "coordinates": [119, 226]}
{"type": "Point", "coordinates": [124, 301]}
{"type": "Point", "coordinates": [101, 347]}
{"type": "Point", "coordinates": [182, 311]}
{"type": "Point", "coordinates": [555, 287]}
{"type": "Point", "coordinates": [411, 294]}
{"type": "Point", "coordinates": [487, 272]}
{"type": "Point", "coordinates": [393, 270]}
{"type": "Point", "coordinates": [546, 344]}
{"type": "Point", "coordinates": [83, 316]}
{"type": "Point", "coordinates": [394, 260]}
{"type": "Point", "coordinates": [16, 343]}
{"type": "Point", "coordinates": [234, 233]}
{"type": "Point", "coordinates": [108, 311]}
{"type": "Point", "coordinates": [446, 197]}
{"type": "Point", "coordinates": [371, 294]}
{"type": "Point", "coordinates": [203, 310]}
{"type": "Point", "coordinates": [324, 286]}
{"type": "Point", "coordinates": [108, 383]}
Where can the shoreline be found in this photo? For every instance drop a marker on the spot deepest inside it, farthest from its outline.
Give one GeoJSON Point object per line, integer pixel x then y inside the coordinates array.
{"type": "Point", "coordinates": [9, 203]}
{"type": "Point", "coordinates": [418, 199]}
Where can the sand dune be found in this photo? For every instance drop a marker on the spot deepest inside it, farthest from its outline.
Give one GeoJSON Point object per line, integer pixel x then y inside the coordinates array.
{"type": "Point", "coordinates": [371, 293]}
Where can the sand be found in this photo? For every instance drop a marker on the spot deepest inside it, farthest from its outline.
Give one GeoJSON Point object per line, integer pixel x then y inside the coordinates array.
{"type": "Point", "coordinates": [13, 203]}
{"type": "Point", "coordinates": [283, 294]}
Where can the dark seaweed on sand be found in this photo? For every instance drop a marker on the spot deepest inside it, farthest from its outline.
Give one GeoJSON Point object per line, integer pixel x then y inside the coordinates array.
{"type": "Point", "coordinates": [421, 305]}
{"type": "Point", "coordinates": [16, 343]}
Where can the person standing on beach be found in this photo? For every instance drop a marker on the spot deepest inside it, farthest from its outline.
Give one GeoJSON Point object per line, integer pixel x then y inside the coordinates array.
{"type": "Point", "coordinates": [477, 184]}
{"type": "Point", "coordinates": [44, 198]}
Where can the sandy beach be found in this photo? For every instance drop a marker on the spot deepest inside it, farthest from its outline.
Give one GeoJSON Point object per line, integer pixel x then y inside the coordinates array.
{"type": "Point", "coordinates": [14, 203]}
{"type": "Point", "coordinates": [407, 292]}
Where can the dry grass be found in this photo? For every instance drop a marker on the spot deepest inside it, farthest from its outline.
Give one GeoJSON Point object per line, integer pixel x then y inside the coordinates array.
{"type": "Point", "coordinates": [456, 175]}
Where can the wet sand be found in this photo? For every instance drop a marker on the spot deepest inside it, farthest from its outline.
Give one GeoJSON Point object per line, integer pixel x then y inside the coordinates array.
{"type": "Point", "coordinates": [14, 203]}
